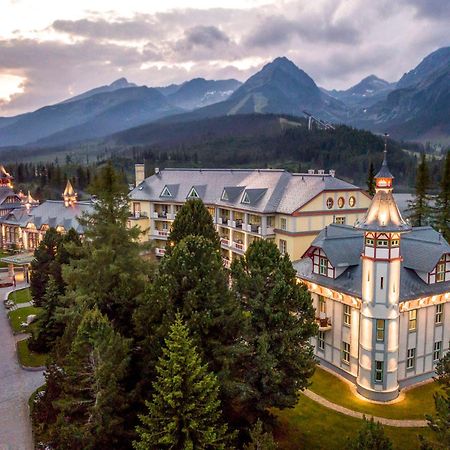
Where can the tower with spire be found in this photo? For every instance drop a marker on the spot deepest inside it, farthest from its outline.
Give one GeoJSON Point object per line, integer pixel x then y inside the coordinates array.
{"type": "Point", "coordinates": [69, 195]}
{"type": "Point", "coordinates": [383, 226]}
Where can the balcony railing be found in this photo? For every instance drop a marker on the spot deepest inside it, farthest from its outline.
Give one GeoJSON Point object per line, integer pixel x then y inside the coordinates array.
{"type": "Point", "coordinates": [160, 215]}
{"type": "Point", "coordinates": [226, 262]}
{"type": "Point", "coordinates": [160, 251]}
{"type": "Point", "coordinates": [139, 215]}
{"type": "Point", "coordinates": [225, 241]}
{"type": "Point", "coordinates": [324, 323]}
{"type": "Point", "coordinates": [161, 233]}
{"type": "Point", "coordinates": [239, 246]}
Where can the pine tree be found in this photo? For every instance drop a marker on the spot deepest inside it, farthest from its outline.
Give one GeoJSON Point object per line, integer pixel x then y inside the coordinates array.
{"type": "Point", "coordinates": [443, 201]}
{"type": "Point", "coordinates": [184, 413]}
{"type": "Point", "coordinates": [440, 421]}
{"type": "Point", "coordinates": [193, 281]}
{"type": "Point", "coordinates": [193, 219]}
{"type": "Point", "coordinates": [92, 400]}
{"type": "Point", "coordinates": [281, 323]}
{"type": "Point", "coordinates": [44, 264]}
{"type": "Point", "coordinates": [48, 328]}
{"type": "Point", "coordinates": [110, 273]}
{"type": "Point", "coordinates": [371, 180]}
{"type": "Point", "coordinates": [370, 437]}
{"type": "Point", "coordinates": [419, 207]}
{"type": "Point", "coordinates": [260, 440]}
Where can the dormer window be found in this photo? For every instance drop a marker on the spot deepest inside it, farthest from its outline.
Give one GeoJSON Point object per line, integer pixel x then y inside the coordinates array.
{"type": "Point", "coordinates": [369, 242]}
{"type": "Point", "coordinates": [440, 270]}
{"type": "Point", "coordinates": [225, 196]}
{"type": "Point", "coordinates": [193, 193]}
{"type": "Point", "coordinates": [165, 192]}
{"type": "Point", "coordinates": [382, 243]}
{"type": "Point", "coordinates": [245, 198]}
{"type": "Point", "coordinates": [323, 266]}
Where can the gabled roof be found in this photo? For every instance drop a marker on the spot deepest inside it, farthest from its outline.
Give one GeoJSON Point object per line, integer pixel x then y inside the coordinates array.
{"type": "Point", "coordinates": [170, 189]}
{"type": "Point", "coordinates": [284, 192]}
{"type": "Point", "coordinates": [421, 250]}
{"type": "Point", "coordinates": [252, 196]}
{"type": "Point", "coordinates": [197, 191]}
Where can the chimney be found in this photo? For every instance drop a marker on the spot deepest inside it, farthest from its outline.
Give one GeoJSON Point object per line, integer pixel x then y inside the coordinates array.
{"type": "Point", "coordinates": [332, 172]}
{"type": "Point", "coordinates": [156, 170]}
{"type": "Point", "coordinates": [139, 173]}
{"type": "Point", "coordinates": [321, 171]}
{"type": "Point", "coordinates": [310, 171]}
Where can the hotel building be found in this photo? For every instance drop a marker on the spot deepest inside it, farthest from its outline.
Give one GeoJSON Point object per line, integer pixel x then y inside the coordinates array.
{"type": "Point", "coordinates": [247, 205]}
{"type": "Point", "coordinates": [381, 291]}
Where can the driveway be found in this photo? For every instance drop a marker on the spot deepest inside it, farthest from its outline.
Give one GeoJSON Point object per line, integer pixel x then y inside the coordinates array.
{"type": "Point", "coordinates": [16, 386]}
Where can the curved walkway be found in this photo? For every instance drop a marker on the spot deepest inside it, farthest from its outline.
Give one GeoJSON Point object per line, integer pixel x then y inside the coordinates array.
{"type": "Point", "coordinates": [16, 386]}
{"type": "Point", "coordinates": [358, 415]}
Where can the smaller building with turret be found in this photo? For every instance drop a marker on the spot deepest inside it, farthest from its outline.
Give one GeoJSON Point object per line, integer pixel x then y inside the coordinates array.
{"type": "Point", "coordinates": [381, 291]}
{"type": "Point", "coordinates": [24, 227]}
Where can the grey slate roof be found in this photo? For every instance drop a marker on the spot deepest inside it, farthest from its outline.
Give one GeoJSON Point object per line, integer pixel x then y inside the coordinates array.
{"type": "Point", "coordinates": [269, 190]}
{"type": "Point", "coordinates": [6, 192]}
{"type": "Point", "coordinates": [52, 213]}
{"type": "Point", "coordinates": [421, 250]}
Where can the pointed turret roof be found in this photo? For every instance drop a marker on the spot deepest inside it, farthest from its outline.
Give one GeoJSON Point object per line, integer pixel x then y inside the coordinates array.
{"type": "Point", "coordinates": [383, 213]}
{"type": "Point", "coordinates": [69, 191]}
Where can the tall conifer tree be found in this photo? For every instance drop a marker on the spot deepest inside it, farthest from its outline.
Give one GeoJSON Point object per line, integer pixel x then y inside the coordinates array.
{"type": "Point", "coordinates": [419, 208]}
{"type": "Point", "coordinates": [281, 323]}
{"type": "Point", "coordinates": [443, 201]}
{"type": "Point", "coordinates": [184, 413]}
{"type": "Point", "coordinates": [110, 273]}
{"type": "Point", "coordinates": [371, 180]}
{"type": "Point", "coordinates": [193, 219]}
{"type": "Point", "coordinates": [371, 436]}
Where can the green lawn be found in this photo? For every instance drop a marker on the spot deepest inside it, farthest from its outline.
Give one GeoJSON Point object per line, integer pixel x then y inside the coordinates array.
{"type": "Point", "coordinates": [417, 402]}
{"type": "Point", "coordinates": [27, 357]}
{"type": "Point", "coordinates": [3, 253]}
{"type": "Point", "coordinates": [20, 315]}
{"type": "Point", "coordinates": [312, 426]}
{"type": "Point", "coordinates": [20, 296]}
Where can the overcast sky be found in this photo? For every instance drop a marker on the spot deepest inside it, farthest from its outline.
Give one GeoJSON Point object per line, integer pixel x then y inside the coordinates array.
{"type": "Point", "coordinates": [53, 49]}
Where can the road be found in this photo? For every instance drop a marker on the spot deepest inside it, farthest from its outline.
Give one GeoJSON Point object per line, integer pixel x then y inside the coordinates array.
{"type": "Point", "coordinates": [16, 386]}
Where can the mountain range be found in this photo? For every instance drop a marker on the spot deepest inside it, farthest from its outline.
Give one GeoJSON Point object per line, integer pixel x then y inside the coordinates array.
{"type": "Point", "coordinates": [417, 107]}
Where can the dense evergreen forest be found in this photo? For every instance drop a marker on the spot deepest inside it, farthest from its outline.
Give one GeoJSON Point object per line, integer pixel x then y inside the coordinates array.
{"type": "Point", "coordinates": [254, 141]}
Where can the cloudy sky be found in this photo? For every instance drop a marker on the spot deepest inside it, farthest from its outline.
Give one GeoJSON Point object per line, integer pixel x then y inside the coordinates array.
{"type": "Point", "coordinates": [53, 49]}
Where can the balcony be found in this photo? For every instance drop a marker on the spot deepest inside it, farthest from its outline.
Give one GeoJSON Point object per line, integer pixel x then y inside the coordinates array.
{"type": "Point", "coordinates": [160, 251]}
{"type": "Point", "coordinates": [161, 233]}
{"type": "Point", "coordinates": [222, 220]}
{"type": "Point", "coordinates": [160, 215]}
{"type": "Point", "coordinates": [238, 246]}
{"type": "Point", "coordinates": [226, 262]}
{"type": "Point", "coordinates": [324, 323]}
{"type": "Point", "coordinates": [225, 241]}
{"type": "Point", "coordinates": [139, 215]}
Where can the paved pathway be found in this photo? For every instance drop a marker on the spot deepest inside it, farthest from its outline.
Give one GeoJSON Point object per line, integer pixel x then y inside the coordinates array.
{"type": "Point", "coordinates": [358, 415]}
{"type": "Point", "coordinates": [16, 386]}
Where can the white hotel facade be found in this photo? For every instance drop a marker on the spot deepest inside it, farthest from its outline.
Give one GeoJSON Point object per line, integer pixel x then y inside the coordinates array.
{"type": "Point", "coordinates": [381, 291]}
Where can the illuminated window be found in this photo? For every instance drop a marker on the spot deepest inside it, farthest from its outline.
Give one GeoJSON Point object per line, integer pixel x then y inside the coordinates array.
{"type": "Point", "coordinates": [352, 201]}
{"type": "Point", "coordinates": [411, 358]}
{"type": "Point", "coordinates": [347, 315]}
{"type": "Point", "coordinates": [322, 305]}
{"type": "Point", "coordinates": [440, 270]}
{"type": "Point", "coordinates": [412, 317]}
{"type": "Point", "coordinates": [321, 340]}
{"type": "Point", "coordinates": [330, 202]}
{"type": "Point", "coordinates": [346, 352]}
{"type": "Point", "coordinates": [437, 350]}
{"type": "Point", "coordinates": [339, 220]}
{"type": "Point", "coordinates": [283, 246]}
{"type": "Point", "coordinates": [323, 266]}
{"type": "Point", "coordinates": [341, 202]}
{"type": "Point", "coordinates": [378, 371]}
{"type": "Point", "coordinates": [380, 330]}
{"type": "Point", "coordinates": [438, 315]}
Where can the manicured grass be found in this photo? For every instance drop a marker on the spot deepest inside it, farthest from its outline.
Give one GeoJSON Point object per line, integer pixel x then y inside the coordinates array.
{"type": "Point", "coordinates": [20, 315]}
{"type": "Point", "coordinates": [20, 296]}
{"type": "Point", "coordinates": [2, 255]}
{"type": "Point", "coordinates": [417, 402]}
{"type": "Point", "coordinates": [27, 357]}
{"type": "Point", "coordinates": [312, 426]}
